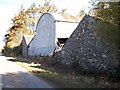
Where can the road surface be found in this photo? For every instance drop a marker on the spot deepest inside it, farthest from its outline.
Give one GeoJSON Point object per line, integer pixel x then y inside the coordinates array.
{"type": "Point", "coordinates": [15, 76]}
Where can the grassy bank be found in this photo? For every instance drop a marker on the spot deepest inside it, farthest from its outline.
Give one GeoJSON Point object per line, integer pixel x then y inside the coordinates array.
{"type": "Point", "coordinates": [62, 79]}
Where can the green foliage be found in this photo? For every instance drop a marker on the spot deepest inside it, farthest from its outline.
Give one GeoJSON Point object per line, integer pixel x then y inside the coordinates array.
{"type": "Point", "coordinates": [107, 31]}
{"type": "Point", "coordinates": [13, 52]}
{"type": "Point", "coordinates": [107, 11]}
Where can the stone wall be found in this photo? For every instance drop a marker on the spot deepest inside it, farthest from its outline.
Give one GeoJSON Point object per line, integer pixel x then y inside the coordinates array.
{"type": "Point", "coordinates": [86, 50]}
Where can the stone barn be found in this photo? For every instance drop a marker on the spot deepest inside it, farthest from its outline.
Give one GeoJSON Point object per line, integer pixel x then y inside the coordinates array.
{"type": "Point", "coordinates": [87, 50]}
{"type": "Point", "coordinates": [50, 29]}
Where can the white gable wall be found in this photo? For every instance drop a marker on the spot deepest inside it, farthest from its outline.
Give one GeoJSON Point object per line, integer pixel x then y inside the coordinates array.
{"type": "Point", "coordinates": [44, 42]}
{"type": "Point", "coordinates": [49, 28]}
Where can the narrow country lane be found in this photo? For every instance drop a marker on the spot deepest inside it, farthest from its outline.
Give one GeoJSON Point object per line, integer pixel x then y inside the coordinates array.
{"type": "Point", "coordinates": [15, 76]}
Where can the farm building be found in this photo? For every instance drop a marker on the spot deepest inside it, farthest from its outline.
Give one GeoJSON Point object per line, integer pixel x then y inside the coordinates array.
{"type": "Point", "coordinates": [90, 52]}
{"type": "Point", "coordinates": [49, 29]}
{"type": "Point", "coordinates": [25, 44]}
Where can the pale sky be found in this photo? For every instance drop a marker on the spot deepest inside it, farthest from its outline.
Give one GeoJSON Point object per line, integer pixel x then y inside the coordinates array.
{"type": "Point", "coordinates": [8, 9]}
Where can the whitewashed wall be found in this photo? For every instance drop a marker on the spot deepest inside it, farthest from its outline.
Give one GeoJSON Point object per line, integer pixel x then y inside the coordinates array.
{"type": "Point", "coordinates": [64, 29]}
{"type": "Point", "coordinates": [44, 42]}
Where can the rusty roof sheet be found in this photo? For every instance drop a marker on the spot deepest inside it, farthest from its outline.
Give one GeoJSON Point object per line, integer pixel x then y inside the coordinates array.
{"type": "Point", "coordinates": [67, 18]}
{"type": "Point", "coordinates": [66, 24]}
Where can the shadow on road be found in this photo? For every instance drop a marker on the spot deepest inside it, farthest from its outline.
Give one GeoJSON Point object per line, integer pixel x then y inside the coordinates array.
{"type": "Point", "coordinates": [22, 80]}
{"type": "Point", "coordinates": [15, 76]}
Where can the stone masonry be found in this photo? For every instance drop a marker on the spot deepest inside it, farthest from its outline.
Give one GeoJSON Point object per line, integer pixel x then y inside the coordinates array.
{"type": "Point", "coordinates": [85, 49]}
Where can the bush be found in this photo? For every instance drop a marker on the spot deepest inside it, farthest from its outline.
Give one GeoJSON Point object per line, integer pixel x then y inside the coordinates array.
{"type": "Point", "coordinates": [13, 52]}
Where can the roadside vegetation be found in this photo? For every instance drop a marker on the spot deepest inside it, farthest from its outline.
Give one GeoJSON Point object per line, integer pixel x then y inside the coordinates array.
{"type": "Point", "coordinates": [62, 78]}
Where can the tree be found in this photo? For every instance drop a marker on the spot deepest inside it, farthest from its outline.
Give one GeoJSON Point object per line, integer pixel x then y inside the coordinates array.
{"type": "Point", "coordinates": [35, 12]}
{"type": "Point", "coordinates": [33, 15]}
{"type": "Point", "coordinates": [107, 11]}
{"type": "Point", "coordinates": [48, 7]}
{"type": "Point", "coordinates": [19, 27]}
{"type": "Point", "coordinates": [25, 21]}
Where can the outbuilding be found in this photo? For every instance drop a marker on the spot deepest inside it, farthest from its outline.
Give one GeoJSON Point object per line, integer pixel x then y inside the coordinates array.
{"type": "Point", "coordinates": [50, 29]}
{"type": "Point", "coordinates": [25, 44]}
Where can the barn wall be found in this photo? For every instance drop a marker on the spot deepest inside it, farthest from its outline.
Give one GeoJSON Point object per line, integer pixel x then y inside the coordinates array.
{"type": "Point", "coordinates": [65, 29]}
{"type": "Point", "coordinates": [43, 43]}
{"type": "Point", "coordinates": [24, 48]}
{"type": "Point", "coordinates": [87, 51]}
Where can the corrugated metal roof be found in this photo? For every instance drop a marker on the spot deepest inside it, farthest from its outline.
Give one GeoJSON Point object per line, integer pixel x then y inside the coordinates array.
{"type": "Point", "coordinates": [66, 24]}
{"type": "Point", "coordinates": [66, 17]}
{"type": "Point", "coordinates": [28, 38]}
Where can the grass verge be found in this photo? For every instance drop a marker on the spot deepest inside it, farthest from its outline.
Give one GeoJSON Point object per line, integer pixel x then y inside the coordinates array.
{"type": "Point", "coordinates": [65, 80]}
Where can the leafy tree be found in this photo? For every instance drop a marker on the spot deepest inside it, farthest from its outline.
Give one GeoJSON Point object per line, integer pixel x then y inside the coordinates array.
{"type": "Point", "coordinates": [33, 15]}
{"type": "Point", "coordinates": [20, 26]}
{"type": "Point", "coordinates": [48, 7]}
{"type": "Point", "coordinates": [107, 11]}
{"type": "Point", "coordinates": [34, 12]}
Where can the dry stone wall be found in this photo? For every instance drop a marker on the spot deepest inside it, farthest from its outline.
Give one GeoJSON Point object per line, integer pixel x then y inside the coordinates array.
{"type": "Point", "coordinates": [85, 49]}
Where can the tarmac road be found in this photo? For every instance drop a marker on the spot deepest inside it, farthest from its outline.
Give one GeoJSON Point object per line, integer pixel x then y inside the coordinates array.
{"type": "Point", "coordinates": [15, 76]}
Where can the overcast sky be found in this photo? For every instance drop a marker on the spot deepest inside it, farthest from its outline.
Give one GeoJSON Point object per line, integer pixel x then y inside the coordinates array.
{"type": "Point", "coordinates": [8, 9]}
